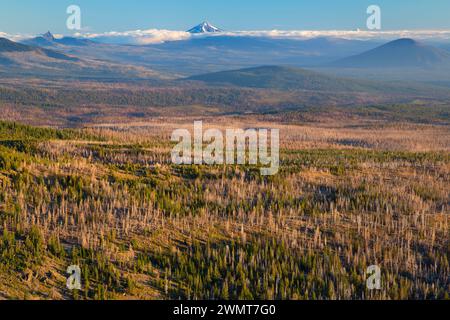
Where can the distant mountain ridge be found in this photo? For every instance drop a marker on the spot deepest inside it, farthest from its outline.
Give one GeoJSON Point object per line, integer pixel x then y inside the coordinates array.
{"type": "Point", "coordinates": [49, 40]}
{"type": "Point", "coordinates": [401, 53]}
{"type": "Point", "coordinates": [293, 78]}
{"type": "Point", "coordinates": [402, 59]}
{"type": "Point", "coordinates": [202, 53]}
{"type": "Point", "coordinates": [281, 77]}
{"type": "Point", "coordinates": [18, 59]}
{"type": "Point", "coordinates": [7, 45]}
{"type": "Point", "coordinates": [10, 47]}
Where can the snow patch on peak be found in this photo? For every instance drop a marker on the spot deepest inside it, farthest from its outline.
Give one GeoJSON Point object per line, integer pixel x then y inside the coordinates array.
{"type": "Point", "coordinates": [204, 27]}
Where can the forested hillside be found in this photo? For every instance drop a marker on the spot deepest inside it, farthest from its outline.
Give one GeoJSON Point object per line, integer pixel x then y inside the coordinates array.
{"type": "Point", "coordinates": [109, 201]}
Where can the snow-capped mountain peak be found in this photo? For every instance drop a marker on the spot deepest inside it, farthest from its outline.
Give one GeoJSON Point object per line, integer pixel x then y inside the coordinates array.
{"type": "Point", "coordinates": [204, 27]}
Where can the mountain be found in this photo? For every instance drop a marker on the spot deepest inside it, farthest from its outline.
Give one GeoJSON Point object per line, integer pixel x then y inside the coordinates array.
{"type": "Point", "coordinates": [18, 59]}
{"type": "Point", "coordinates": [291, 78]}
{"type": "Point", "coordinates": [48, 40]}
{"type": "Point", "coordinates": [71, 41]}
{"type": "Point", "coordinates": [48, 36]}
{"type": "Point", "coordinates": [401, 53]}
{"type": "Point", "coordinates": [286, 78]}
{"type": "Point", "coordinates": [13, 49]}
{"type": "Point", "coordinates": [44, 40]}
{"type": "Point", "coordinates": [322, 46]}
{"type": "Point", "coordinates": [204, 27]}
{"type": "Point", "coordinates": [204, 54]}
{"type": "Point", "coordinates": [221, 52]}
{"type": "Point", "coordinates": [10, 46]}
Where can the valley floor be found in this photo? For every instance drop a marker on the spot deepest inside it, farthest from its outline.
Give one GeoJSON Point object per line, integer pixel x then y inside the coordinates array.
{"type": "Point", "coordinates": [351, 192]}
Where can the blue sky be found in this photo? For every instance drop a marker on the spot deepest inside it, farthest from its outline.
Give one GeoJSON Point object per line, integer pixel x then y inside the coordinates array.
{"type": "Point", "coordinates": [38, 16]}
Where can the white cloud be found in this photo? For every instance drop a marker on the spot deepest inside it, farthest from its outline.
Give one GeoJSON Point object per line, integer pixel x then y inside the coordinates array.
{"type": "Point", "coordinates": [138, 37]}
{"type": "Point", "coordinates": [347, 34]}
{"type": "Point", "coordinates": [13, 37]}
{"type": "Point", "coordinates": [21, 36]}
{"type": "Point", "coordinates": [153, 36]}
